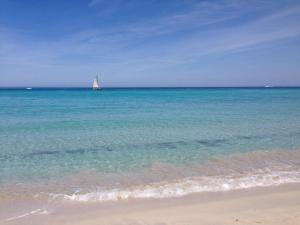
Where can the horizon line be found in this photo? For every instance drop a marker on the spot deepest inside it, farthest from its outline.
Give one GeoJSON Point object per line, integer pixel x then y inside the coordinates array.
{"type": "Point", "coordinates": [129, 87]}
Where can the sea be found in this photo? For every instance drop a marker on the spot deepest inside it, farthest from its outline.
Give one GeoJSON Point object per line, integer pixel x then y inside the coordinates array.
{"type": "Point", "coordinates": [78, 146]}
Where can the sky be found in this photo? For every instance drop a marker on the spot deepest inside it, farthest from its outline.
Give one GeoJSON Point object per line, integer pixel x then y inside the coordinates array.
{"type": "Point", "coordinates": [149, 43]}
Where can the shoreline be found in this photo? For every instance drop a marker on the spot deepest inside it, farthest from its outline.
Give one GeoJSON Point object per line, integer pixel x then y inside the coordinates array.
{"type": "Point", "coordinates": [268, 205]}
{"type": "Point", "coordinates": [236, 171]}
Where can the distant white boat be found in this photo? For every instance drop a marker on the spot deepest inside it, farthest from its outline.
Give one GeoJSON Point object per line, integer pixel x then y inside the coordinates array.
{"type": "Point", "coordinates": [96, 85]}
{"type": "Point", "coordinates": [267, 86]}
{"type": "Point", "coordinates": [28, 88]}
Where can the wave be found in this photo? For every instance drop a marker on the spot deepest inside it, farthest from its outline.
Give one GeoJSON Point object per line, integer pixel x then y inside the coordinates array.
{"type": "Point", "coordinates": [182, 187]}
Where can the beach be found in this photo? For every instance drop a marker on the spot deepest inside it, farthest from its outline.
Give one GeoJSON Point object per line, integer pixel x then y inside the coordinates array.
{"type": "Point", "coordinates": [173, 112]}
{"type": "Point", "coordinates": [276, 205]}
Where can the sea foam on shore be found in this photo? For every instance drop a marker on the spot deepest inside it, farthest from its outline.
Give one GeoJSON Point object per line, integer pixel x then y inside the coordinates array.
{"type": "Point", "coordinates": [188, 186]}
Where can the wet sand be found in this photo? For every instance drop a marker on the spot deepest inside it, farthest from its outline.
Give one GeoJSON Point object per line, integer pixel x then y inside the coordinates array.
{"type": "Point", "coordinates": [273, 205]}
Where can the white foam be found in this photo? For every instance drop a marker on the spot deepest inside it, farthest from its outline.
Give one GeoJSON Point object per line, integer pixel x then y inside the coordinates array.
{"type": "Point", "coordinates": [186, 186]}
{"type": "Point", "coordinates": [33, 212]}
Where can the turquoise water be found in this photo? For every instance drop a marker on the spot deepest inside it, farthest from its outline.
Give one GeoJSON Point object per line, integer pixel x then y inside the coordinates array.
{"type": "Point", "coordinates": [55, 133]}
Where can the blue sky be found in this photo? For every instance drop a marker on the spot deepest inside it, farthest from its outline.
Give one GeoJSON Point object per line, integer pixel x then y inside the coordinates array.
{"type": "Point", "coordinates": [150, 43]}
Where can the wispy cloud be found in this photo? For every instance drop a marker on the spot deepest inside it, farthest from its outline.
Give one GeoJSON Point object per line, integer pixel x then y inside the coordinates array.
{"type": "Point", "coordinates": [95, 2]}
{"type": "Point", "coordinates": [276, 26]}
{"type": "Point", "coordinates": [192, 16]}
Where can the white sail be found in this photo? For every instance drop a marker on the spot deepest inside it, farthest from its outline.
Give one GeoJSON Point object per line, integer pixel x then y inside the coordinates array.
{"type": "Point", "coordinates": [96, 85]}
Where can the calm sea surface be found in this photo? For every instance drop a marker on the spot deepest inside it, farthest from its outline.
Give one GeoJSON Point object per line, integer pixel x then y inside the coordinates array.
{"type": "Point", "coordinates": [134, 143]}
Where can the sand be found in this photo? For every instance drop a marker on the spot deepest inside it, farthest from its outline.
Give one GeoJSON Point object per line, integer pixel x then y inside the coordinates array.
{"type": "Point", "coordinates": [276, 205]}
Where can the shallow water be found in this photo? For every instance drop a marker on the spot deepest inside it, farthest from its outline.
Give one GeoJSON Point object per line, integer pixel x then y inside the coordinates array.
{"type": "Point", "coordinates": [143, 143]}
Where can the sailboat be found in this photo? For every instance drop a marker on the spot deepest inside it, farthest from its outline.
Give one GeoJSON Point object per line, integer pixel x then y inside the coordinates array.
{"type": "Point", "coordinates": [96, 85]}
